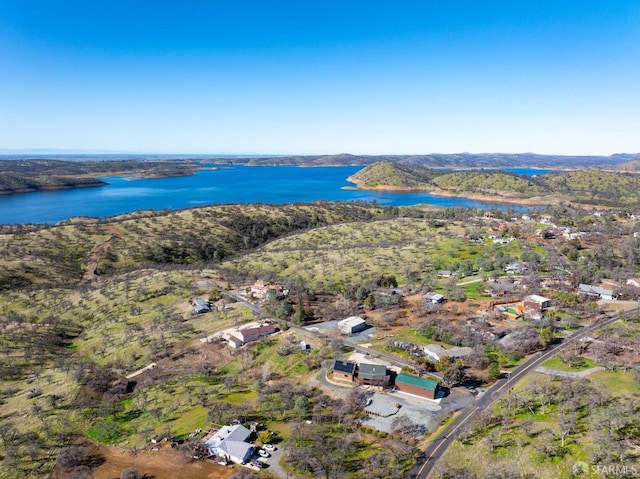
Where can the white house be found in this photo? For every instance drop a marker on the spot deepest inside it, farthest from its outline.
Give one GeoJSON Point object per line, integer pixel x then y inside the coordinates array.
{"type": "Point", "coordinates": [230, 443]}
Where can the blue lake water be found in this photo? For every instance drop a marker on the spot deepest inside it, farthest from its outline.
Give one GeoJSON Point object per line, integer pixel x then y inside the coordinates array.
{"type": "Point", "coordinates": [236, 184]}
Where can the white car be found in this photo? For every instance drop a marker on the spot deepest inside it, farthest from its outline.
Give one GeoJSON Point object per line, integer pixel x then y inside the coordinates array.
{"type": "Point", "coordinates": [263, 453]}
{"type": "Point", "coordinates": [269, 447]}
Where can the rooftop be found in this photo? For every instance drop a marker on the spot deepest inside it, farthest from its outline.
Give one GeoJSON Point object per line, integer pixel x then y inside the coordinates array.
{"type": "Point", "coordinates": [372, 370]}
{"type": "Point", "coordinates": [417, 381]}
{"type": "Point", "coordinates": [351, 321]}
{"type": "Point", "coordinates": [344, 367]}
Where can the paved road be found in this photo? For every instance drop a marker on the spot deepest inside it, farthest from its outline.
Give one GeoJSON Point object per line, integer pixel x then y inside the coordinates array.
{"type": "Point", "coordinates": [430, 456]}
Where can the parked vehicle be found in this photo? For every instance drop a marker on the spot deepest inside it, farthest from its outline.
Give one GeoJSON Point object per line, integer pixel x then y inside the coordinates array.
{"type": "Point", "coordinates": [269, 447]}
{"type": "Point", "coordinates": [263, 453]}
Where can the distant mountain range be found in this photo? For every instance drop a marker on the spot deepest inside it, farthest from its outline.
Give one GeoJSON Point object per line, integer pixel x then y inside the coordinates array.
{"type": "Point", "coordinates": [446, 160]}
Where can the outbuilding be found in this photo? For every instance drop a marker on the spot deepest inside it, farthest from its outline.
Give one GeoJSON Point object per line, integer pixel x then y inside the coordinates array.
{"type": "Point", "coordinates": [433, 297]}
{"type": "Point", "coordinates": [422, 387]}
{"type": "Point", "coordinates": [352, 325]}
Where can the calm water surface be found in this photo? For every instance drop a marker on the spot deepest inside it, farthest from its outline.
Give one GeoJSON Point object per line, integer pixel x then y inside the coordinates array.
{"type": "Point", "coordinates": [236, 184]}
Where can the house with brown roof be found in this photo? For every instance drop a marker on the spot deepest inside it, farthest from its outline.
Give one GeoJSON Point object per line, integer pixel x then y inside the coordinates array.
{"type": "Point", "coordinates": [253, 334]}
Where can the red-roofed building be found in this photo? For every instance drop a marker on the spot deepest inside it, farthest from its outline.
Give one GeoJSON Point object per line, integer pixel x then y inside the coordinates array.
{"type": "Point", "coordinates": [253, 334]}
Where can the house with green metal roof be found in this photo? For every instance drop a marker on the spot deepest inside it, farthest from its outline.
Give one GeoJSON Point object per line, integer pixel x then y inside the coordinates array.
{"type": "Point", "coordinates": [418, 386]}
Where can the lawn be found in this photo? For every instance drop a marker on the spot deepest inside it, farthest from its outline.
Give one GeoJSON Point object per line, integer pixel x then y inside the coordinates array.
{"type": "Point", "coordinates": [558, 364]}
{"type": "Point", "coordinates": [617, 382]}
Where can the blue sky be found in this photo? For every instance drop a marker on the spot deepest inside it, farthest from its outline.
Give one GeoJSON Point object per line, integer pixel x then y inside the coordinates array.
{"type": "Point", "coordinates": [321, 77]}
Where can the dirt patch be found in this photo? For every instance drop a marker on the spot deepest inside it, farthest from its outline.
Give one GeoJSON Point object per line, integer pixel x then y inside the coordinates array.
{"type": "Point", "coordinates": [198, 357]}
{"type": "Point", "coordinates": [96, 253]}
{"type": "Point", "coordinates": [166, 463]}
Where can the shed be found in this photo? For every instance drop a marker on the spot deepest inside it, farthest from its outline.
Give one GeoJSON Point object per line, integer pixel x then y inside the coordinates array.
{"type": "Point", "coordinates": [234, 342]}
{"type": "Point", "coordinates": [434, 297]}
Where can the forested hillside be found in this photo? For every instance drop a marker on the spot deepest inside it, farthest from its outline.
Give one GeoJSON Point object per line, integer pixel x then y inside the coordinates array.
{"type": "Point", "coordinates": [590, 187]}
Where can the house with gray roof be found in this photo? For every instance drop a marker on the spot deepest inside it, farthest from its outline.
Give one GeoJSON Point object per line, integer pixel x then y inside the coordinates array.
{"type": "Point", "coordinates": [433, 297]}
{"type": "Point", "coordinates": [373, 374]}
{"type": "Point", "coordinates": [201, 306]}
{"type": "Point", "coordinates": [351, 325]}
{"type": "Point", "coordinates": [230, 444]}
{"type": "Point", "coordinates": [595, 292]}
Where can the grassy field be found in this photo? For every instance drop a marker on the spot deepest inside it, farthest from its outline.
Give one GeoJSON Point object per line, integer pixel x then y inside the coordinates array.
{"type": "Point", "coordinates": [617, 382]}
{"type": "Point", "coordinates": [557, 363]}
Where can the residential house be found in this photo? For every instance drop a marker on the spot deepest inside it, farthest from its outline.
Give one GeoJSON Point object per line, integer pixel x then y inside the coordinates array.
{"type": "Point", "coordinates": [260, 288]}
{"type": "Point", "coordinates": [351, 325]}
{"type": "Point", "coordinates": [422, 387]}
{"type": "Point", "coordinates": [253, 334]}
{"type": "Point", "coordinates": [514, 268]}
{"type": "Point", "coordinates": [201, 306]}
{"type": "Point", "coordinates": [373, 374]}
{"type": "Point", "coordinates": [500, 288]}
{"type": "Point", "coordinates": [435, 352]}
{"type": "Point", "coordinates": [540, 300]}
{"type": "Point", "coordinates": [344, 370]}
{"type": "Point", "coordinates": [535, 305]}
{"type": "Point", "coordinates": [230, 443]}
{"type": "Point", "coordinates": [445, 273]}
{"type": "Point", "coordinates": [595, 292]}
